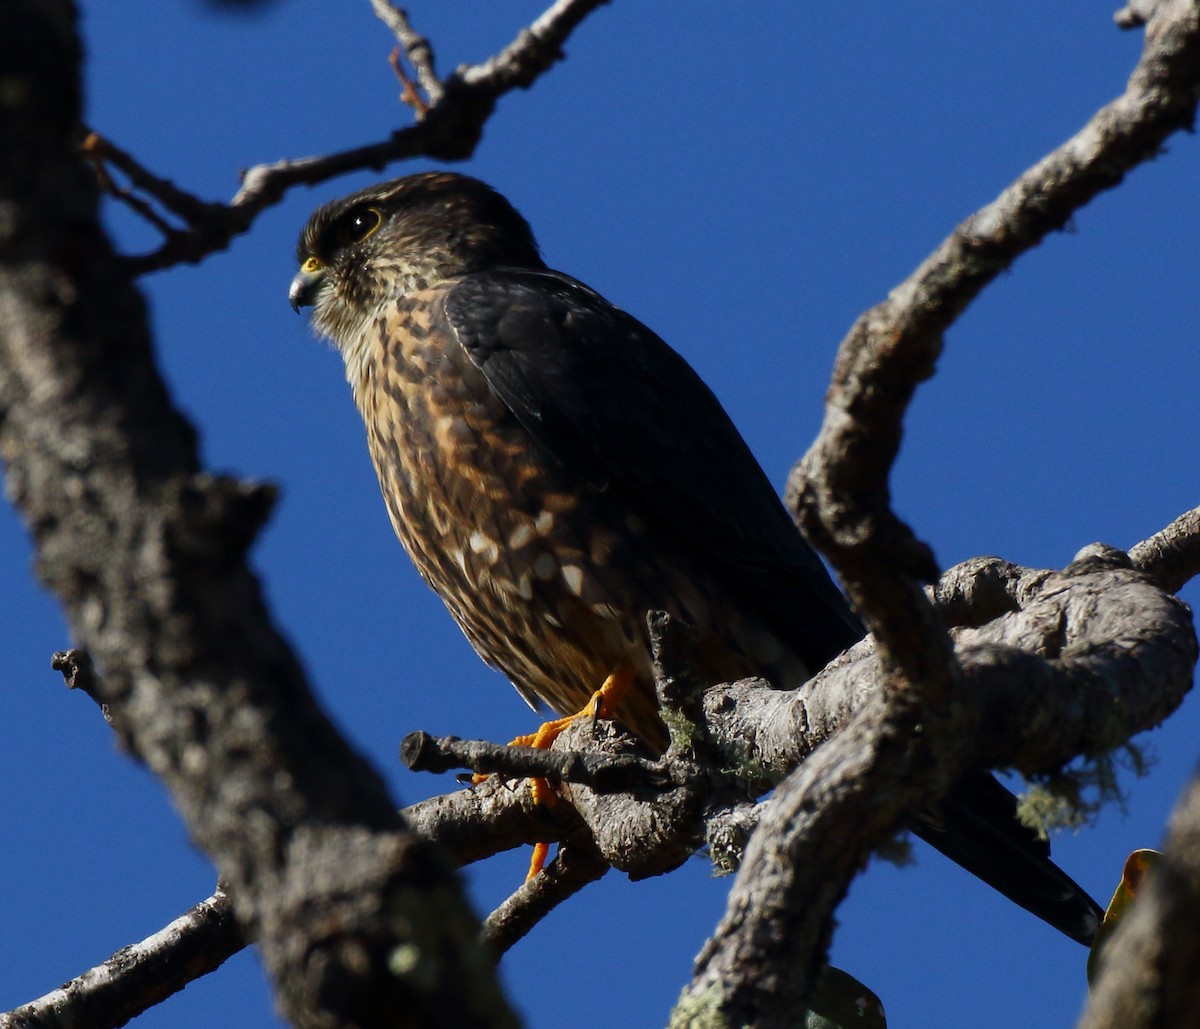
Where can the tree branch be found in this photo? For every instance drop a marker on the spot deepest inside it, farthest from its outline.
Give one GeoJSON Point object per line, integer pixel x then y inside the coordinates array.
{"type": "Point", "coordinates": [1071, 662]}
{"type": "Point", "coordinates": [573, 868]}
{"type": "Point", "coordinates": [603, 773]}
{"type": "Point", "coordinates": [772, 939]}
{"type": "Point", "coordinates": [139, 976]}
{"type": "Point", "coordinates": [1171, 557]}
{"type": "Point", "coordinates": [416, 47]}
{"type": "Point", "coordinates": [147, 555]}
{"type": "Point", "coordinates": [1091, 657]}
{"type": "Point", "coordinates": [449, 130]}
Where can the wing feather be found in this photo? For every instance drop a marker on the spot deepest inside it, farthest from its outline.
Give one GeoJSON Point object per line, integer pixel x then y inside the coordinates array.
{"type": "Point", "coordinates": [615, 404]}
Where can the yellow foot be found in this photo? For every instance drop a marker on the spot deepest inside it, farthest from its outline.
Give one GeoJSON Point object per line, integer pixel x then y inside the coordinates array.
{"type": "Point", "coordinates": [602, 704]}
{"type": "Point", "coordinates": [537, 860]}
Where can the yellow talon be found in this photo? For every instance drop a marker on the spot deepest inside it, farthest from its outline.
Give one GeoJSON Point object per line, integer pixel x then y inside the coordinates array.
{"type": "Point", "coordinates": [537, 860]}
{"type": "Point", "coordinates": [601, 704]}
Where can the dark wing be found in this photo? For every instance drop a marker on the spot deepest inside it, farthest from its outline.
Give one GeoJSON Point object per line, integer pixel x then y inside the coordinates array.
{"type": "Point", "coordinates": [619, 407]}
{"type": "Point", "coordinates": [616, 405]}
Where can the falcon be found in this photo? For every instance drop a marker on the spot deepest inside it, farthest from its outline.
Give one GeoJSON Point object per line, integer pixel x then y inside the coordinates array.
{"type": "Point", "coordinates": [555, 471]}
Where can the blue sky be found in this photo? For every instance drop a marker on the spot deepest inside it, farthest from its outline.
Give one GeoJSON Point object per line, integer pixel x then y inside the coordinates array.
{"type": "Point", "coordinates": [745, 183]}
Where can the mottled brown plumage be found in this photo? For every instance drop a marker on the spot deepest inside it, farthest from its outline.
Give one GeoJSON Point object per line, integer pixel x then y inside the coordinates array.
{"type": "Point", "coordinates": [548, 564]}
{"type": "Point", "coordinates": [556, 471]}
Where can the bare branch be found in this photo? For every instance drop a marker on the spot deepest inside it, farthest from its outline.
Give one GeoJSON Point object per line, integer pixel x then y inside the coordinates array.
{"type": "Point", "coordinates": [495, 816]}
{"type": "Point", "coordinates": [1071, 648]}
{"type": "Point", "coordinates": [1094, 656]}
{"type": "Point", "coordinates": [603, 773]}
{"type": "Point", "coordinates": [147, 555]}
{"type": "Point", "coordinates": [416, 47]}
{"type": "Point", "coordinates": [534, 51]}
{"type": "Point", "coordinates": [840, 488]}
{"type": "Point", "coordinates": [767, 939]}
{"type": "Point", "coordinates": [449, 129]}
{"type": "Point", "coordinates": [1172, 556]}
{"type": "Point", "coordinates": [773, 937]}
{"type": "Point", "coordinates": [139, 976]}
{"type": "Point", "coordinates": [574, 867]}
{"type": "Point", "coordinates": [177, 201]}
{"type": "Point", "coordinates": [1148, 970]}
{"type": "Point", "coordinates": [410, 94]}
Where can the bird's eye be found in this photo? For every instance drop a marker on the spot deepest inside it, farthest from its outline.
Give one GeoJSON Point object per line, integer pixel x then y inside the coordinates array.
{"type": "Point", "coordinates": [358, 225]}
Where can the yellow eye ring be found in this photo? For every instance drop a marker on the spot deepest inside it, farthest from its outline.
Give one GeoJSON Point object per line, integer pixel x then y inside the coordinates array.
{"type": "Point", "coordinates": [359, 224]}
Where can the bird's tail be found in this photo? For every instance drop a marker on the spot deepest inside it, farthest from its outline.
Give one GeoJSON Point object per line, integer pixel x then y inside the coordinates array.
{"type": "Point", "coordinates": [976, 826]}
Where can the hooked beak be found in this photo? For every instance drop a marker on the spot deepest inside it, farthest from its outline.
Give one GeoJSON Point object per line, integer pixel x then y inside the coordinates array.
{"type": "Point", "coordinates": [304, 287]}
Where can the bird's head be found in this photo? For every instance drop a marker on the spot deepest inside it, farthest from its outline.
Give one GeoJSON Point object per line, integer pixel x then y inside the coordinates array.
{"type": "Point", "coordinates": [398, 237]}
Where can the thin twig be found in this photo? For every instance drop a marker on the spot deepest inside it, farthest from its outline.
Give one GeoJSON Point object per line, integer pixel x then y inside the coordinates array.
{"type": "Point", "coordinates": [416, 47]}
{"type": "Point", "coordinates": [92, 150]}
{"type": "Point", "coordinates": [137, 977]}
{"type": "Point", "coordinates": [190, 208]}
{"type": "Point", "coordinates": [450, 130]}
{"type": "Point", "coordinates": [573, 868]}
{"type": "Point", "coordinates": [408, 94]}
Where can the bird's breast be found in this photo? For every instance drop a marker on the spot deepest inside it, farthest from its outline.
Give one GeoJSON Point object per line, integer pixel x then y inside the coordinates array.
{"type": "Point", "coordinates": [509, 539]}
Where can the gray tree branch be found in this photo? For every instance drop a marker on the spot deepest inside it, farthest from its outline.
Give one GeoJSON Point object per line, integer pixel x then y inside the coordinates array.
{"type": "Point", "coordinates": [764, 956]}
{"type": "Point", "coordinates": [449, 126]}
{"type": "Point", "coordinates": [1148, 975]}
{"type": "Point", "coordinates": [356, 917]}
{"type": "Point", "coordinates": [147, 554]}
{"type": "Point", "coordinates": [1171, 557]}
{"type": "Point", "coordinates": [138, 976]}
{"type": "Point", "coordinates": [1060, 663]}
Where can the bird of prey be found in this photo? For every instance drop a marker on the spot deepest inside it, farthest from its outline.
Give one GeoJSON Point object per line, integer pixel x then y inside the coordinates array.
{"type": "Point", "coordinates": [555, 471]}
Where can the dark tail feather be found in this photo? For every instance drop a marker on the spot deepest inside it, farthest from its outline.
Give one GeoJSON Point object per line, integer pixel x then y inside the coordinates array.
{"type": "Point", "coordinates": [976, 826]}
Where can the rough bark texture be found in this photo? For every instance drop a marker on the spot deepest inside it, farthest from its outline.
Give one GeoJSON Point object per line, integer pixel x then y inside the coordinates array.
{"type": "Point", "coordinates": [1149, 970]}
{"type": "Point", "coordinates": [138, 976]}
{"type": "Point", "coordinates": [359, 922]}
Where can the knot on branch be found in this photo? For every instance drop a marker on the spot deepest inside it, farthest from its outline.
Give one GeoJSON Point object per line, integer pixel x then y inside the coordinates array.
{"type": "Point", "coordinates": [644, 815]}
{"type": "Point", "coordinates": [216, 517]}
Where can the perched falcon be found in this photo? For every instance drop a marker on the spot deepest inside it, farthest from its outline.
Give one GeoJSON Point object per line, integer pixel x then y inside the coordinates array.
{"type": "Point", "coordinates": [555, 471]}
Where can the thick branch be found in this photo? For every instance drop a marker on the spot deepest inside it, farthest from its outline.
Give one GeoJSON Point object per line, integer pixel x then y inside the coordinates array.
{"type": "Point", "coordinates": [1073, 662]}
{"type": "Point", "coordinates": [841, 497]}
{"type": "Point", "coordinates": [769, 942]}
{"type": "Point", "coordinates": [1092, 656]}
{"type": "Point", "coordinates": [469, 824]}
{"type": "Point", "coordinates": [495, 816]}
{"type": "Point", "coordinates": [1148, 976]}
{"type": "Point", "coordinates": [1095, 655]}
{"type": "Point", "coordinates": [147, 555]}
{"type": "Point", "coordinates": [1171, 557]}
